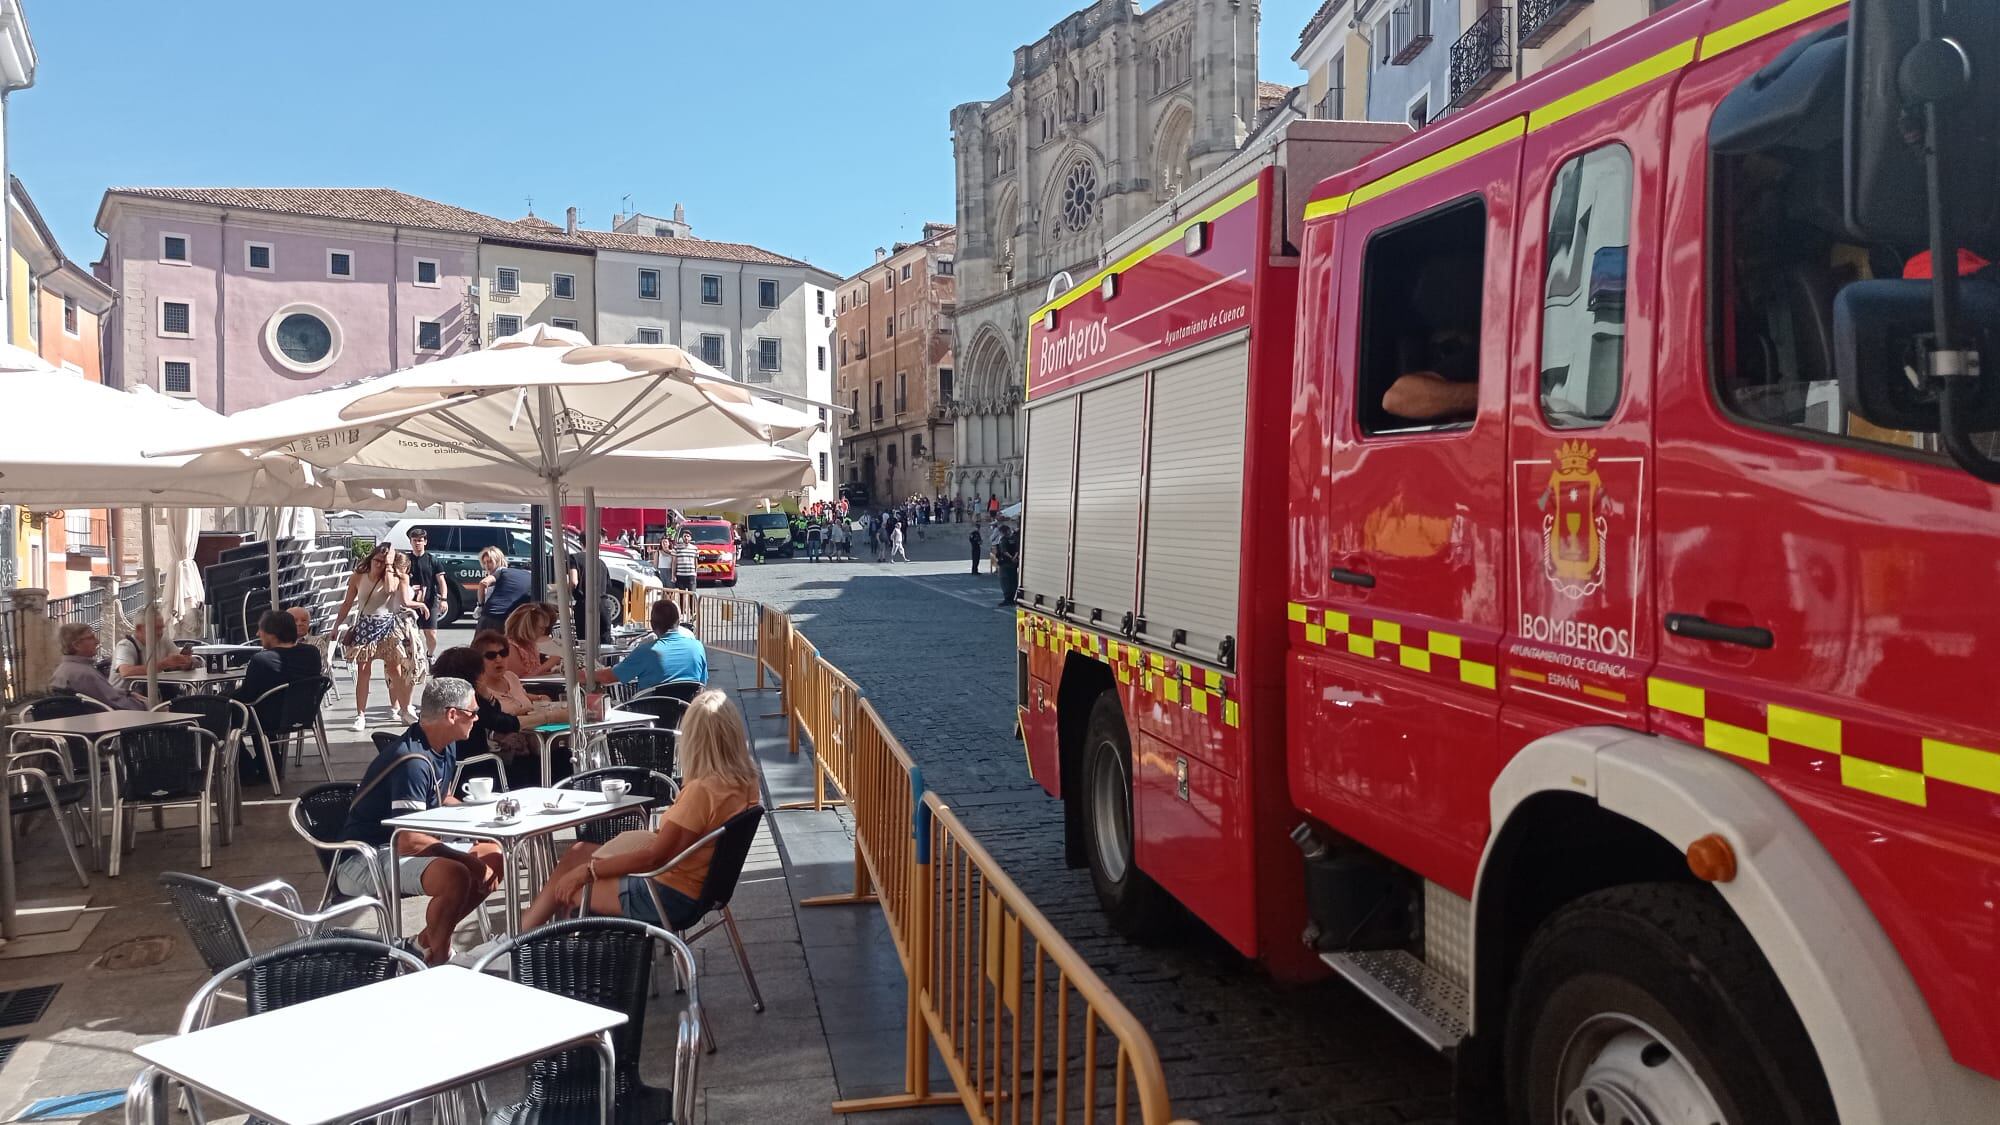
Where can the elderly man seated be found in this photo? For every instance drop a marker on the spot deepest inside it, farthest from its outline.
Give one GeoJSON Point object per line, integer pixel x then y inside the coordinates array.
{"type": "Point", "coordinates": [302, 618]}
{"type": "Point", "coordinates": [411, 775]}
{"type": "Point", "coordinates": [673, 653]}
{"type": "Point", "coordinates": [283, 662]}
{"type": "Point", "coordinates": [148, 644]}
{"type": "Point", "coordinates": [78, 674]}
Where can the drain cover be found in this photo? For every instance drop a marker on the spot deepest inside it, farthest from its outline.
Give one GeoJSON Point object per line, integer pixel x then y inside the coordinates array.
{"type": "Point", "coordinates": [136, 953]}
{"type": "Point", "coordinates": [25, 1005]}
{"type": "Point", "coordinates": [7, 1048]}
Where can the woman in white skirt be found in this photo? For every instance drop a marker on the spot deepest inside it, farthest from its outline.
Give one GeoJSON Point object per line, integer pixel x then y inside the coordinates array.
{"type": "Point", "coordinates": [375, 595]}
{"type": "Point", "coordinates": [414, 656]}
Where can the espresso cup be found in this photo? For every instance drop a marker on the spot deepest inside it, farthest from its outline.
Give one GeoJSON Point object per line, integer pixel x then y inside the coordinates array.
{"type": "Point", "coordinates": [479, 788]}
{"type": "Point", "coordinates": [613, 788]}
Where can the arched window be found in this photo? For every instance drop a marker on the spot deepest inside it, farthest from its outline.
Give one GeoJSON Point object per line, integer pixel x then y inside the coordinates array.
{"type": "Point", "coordinates": [1079, 196]}
{"type": "Point", "coordinates": [1172, 163]}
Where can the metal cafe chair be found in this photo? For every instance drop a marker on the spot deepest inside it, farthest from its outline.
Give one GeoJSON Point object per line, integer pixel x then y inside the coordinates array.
{"type": "Point", "coordinates": [154, 767]}
{"type": "Point", "coordinates": [607, 962]}
{"type": "Point", "coordinates": [319, 817]}
{"type": "Point", "coordinates": [658, 789]}
{"type": "Point", "coordinates": [725, 866]}
{"type": "Point", "coordinates": [652, 748]}
{"type": "Point", "coordinates": [30, 789]}
{"type": "Point", "coordinates": [226, 719]}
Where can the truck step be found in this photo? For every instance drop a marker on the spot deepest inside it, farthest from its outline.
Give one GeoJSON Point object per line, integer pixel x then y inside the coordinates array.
{"type": "Point", "coordinates": [1424, 999]}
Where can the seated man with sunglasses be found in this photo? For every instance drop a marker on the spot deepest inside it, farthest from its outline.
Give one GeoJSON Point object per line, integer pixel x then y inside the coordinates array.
{"type": "Point", "coordinates": [411, 775]}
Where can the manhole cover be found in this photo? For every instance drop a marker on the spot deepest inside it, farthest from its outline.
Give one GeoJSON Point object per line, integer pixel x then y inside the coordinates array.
{"type": "Point", "coordinates": [136, 953]}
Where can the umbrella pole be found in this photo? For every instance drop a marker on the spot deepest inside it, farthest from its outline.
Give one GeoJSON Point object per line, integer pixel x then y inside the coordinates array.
{"type": "Point", "coordinates": [272, 552]}
{"type": "Point", "coordinates": [565, 620]}
{"type": "Point", "coordinates": [150, 614]}
{"type": "Point", "coordinates": [593, 530]}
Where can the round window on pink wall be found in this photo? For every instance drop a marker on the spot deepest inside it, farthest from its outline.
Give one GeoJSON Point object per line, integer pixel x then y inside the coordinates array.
{"type": "Point", "coordinates": [303, 338]}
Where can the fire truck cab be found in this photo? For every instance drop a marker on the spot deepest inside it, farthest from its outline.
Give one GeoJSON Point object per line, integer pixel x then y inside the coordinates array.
{"type": "Point", "coordinates": [1540, 569]}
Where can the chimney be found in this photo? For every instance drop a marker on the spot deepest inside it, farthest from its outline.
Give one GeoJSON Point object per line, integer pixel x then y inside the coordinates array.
{"type": "Point", "coordinates": [880, 254]}
{"type": "Point", "coordinates": [680, 213]}
{"type": "Point", "coordinates": [569, 222]}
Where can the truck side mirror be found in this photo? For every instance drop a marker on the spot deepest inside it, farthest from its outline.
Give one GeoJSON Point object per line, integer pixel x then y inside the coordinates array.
{"type": "Point", "coordinates": [1881, 332]}
{"type": "Point", "coordinates": [1893, 68]}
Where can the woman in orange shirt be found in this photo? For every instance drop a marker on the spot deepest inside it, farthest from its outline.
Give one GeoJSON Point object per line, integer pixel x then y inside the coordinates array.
{"type": "Point", "coordinates": [720, 779]}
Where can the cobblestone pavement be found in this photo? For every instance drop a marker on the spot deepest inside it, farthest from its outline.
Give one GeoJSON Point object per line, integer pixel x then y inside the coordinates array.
{"type": "Point", "coordinates": [929, 647]}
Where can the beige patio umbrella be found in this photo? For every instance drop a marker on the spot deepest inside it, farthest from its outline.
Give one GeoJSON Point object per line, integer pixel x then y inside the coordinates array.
{"type": "Point", "coordinates": [531, 416]}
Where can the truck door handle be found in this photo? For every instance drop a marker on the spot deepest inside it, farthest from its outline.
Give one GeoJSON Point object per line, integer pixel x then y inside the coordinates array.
{"type": "Point", "coordinates": [1702, 629]}
{"type": "Point", "coordinates": [1348, 577]}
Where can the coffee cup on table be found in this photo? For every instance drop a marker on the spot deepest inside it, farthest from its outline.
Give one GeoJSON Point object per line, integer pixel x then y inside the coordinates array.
{"type": "Point", "coordinates": [614, 788]}
{"type": "Point", "coordinates": [478, 788]}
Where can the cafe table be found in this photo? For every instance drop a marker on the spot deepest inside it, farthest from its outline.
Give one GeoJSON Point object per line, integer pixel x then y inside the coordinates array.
{"type": "Point", "coordinates": [352, 1069]}
{"type": "Point", "coordinates": [544, 812]}
{"type": "Point", "coordinates": [547, 733]}
{"type": "Point", "coordinates": [201, 680]}
{"type": "Point", "coordinates": [93, 731]}
{"type": "Point", "coordinates": [216, 656]}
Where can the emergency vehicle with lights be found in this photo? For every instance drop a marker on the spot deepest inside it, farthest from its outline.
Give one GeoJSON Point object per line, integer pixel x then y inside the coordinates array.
{"type": "Point", "coordinates": [1542, 570]}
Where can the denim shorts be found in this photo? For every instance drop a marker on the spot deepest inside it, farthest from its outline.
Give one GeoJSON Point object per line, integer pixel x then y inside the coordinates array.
{"type": "Point", "coordinates": [682, 911]}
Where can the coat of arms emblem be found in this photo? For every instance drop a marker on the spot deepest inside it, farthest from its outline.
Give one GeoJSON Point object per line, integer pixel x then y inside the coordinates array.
{"type": "Point", "coordinates": [1573, 522]}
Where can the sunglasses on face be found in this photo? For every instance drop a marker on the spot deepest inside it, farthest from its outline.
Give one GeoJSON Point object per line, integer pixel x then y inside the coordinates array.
{"type": "Point", "coordinates": [493, 654]}
{"type": "Point", "coordinates": [461, 712]}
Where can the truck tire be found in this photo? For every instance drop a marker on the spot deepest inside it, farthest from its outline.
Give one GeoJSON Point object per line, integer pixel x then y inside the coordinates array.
{"type": "Point", "coordinates": [1134, 904]}
{"type": "Point", "coordinates": [614, 608]}
{"type": "Point", "coordinates": [1650, 1003]}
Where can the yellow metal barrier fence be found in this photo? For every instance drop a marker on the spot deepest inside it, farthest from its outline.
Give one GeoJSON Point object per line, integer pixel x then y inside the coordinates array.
{"type": "Point", "coordinates": [1027, 1031]}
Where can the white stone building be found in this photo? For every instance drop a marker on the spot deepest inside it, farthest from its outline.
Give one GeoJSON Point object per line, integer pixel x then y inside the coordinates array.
{"type": "Point", "coordinates": [1111, 114]}
{"type": "Point", "coordinates": [760, 317]}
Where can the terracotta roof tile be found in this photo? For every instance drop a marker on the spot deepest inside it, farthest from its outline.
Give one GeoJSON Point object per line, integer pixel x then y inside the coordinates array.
{"type": "Point", "coordinates": [366, 205]}
{"type": "Point", "coordinates": [688, 248]}
{"type": "Point", "coordinates": [1272, 93]}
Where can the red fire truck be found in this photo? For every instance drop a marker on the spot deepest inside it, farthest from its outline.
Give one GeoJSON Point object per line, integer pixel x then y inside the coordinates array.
{"type": "Point", "coordinates": [1542, 569]}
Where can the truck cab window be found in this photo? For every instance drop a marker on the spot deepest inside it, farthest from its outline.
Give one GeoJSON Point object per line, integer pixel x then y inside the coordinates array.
{"type": "Point", "coordinates": [1421, 293]}
{"type": "Point", "coordinates": [1780, 253]}
{"type": "Point", "coordinates": [1583, 296]}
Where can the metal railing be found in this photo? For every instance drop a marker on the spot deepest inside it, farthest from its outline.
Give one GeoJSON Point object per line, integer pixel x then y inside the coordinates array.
{"type": "Point", "coordinates": [1409, 31]}
{"type": "Point", "coordinates": [1481, 57]}
{"type": "Point", "coordinates": [1541, 19]}
{"type": "Point", "coordinates": [1027, 1031]}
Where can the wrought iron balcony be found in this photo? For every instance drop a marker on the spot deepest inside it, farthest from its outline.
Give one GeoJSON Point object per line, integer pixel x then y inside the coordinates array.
{"type": "Point", "coordinates": [1481, 57]}
{"type": "Point", "coordinates": [1541, 19]}
{"type": "Point", "coordinates": [1410, 30]}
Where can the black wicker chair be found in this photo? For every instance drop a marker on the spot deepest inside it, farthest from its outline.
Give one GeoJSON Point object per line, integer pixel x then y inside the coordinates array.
{"type": "Point", "coordinates": [665, 709]}
{"type": "Point", "coordinates": [154, 767]}
{"type": "Point", "coordinates": [652, 748]}
{"type": "Point", "coordinates": [319, 816]}
{"type": "Point", "coordinates": [725, 866]}
{"type": "Point", "coordinates": [303, 700]}
{"type": "Point", "coordinates": [63, 705]}
{"type": "Point", "coordinates": [607, 962]}
{"type": "Point", "coordinates": [226, 719]}
{"type": "Point", "coordinates": [683, 690]}
{"type": "Point", "coordinates": [657, 788]}
{"type": "Point", "coordinates": [209, 910]}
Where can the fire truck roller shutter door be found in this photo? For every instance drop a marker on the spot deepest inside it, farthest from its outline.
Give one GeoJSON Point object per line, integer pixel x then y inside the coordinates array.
{"type": "Point", "coordinates": [1194, 503]}
{"type": "Point", "coordinates": [1049, 516]}
{"type": "Point", "coordinates": [1107, 500]}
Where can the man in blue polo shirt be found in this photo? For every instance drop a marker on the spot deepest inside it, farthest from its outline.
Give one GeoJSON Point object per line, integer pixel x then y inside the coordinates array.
{"type": "Point", "coordinates": [411, 775]}
{"type": "Point", "coordinates": [673, 654]}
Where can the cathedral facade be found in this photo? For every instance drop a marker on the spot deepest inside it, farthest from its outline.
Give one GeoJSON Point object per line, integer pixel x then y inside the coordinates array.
{"type": "Point", "coordinates": [1112, 113]}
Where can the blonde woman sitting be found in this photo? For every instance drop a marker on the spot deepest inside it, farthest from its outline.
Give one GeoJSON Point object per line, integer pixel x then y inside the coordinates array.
{"type": "Point", "coordinates": [720, 780]}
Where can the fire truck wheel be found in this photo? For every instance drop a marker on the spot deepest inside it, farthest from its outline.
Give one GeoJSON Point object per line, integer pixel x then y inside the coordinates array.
{"type": "Point", "coordinates": [1135, 905]}
{"type": "Point", "coordinates": [1650, 1004]}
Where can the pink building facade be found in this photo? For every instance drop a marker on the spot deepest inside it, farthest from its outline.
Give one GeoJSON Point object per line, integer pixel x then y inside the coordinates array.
{"type": "Point", "coordinates": [239, 298]}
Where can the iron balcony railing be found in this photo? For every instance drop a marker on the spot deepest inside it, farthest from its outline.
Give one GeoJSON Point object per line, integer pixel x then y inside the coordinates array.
{"type": "Point", "coordinates": [1410, 30]}
{"type": "Point", "coordinates": [1481, 57]}
{"type": "Point", "coordinates": [1541, 19]}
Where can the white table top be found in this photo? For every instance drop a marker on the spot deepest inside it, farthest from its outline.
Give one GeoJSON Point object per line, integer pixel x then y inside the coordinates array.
{"type": "Point", "coordinates": [109, 722]}
{"type": "Point", "coordinates": [224, 650]}
{"type": "Point", "coordinates": [200, 676]}
{"type": "Point", "coordinates": [578, 806]}
{"type": "Point", "coordinates": [355, 1067]}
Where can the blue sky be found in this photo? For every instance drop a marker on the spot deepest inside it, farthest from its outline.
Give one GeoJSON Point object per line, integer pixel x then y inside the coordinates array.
{"type": "Point", "coordinates": [819, 130]}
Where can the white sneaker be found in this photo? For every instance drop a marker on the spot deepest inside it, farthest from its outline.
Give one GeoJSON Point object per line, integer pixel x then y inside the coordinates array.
{"type": "Point", "coordinates": [359, 725]}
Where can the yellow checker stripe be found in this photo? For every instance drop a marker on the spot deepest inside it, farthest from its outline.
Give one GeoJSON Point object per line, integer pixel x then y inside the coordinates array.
{"type": "Point", "coordinates": [1203, 691]}
{"type": "Point", "coordinates": [1384, 640]}
{"type": "Point", "coordinates": [1968, 766]}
